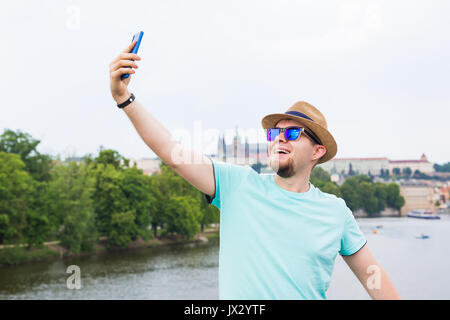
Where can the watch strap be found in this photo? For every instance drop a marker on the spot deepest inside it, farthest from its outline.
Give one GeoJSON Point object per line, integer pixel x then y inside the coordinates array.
{"type": "Point", "coordinates": [126, 102]}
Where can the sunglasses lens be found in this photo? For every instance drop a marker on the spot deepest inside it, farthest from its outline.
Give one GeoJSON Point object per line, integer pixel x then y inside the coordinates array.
{"type": "Point", "coordinates": [292, 133]}
{"type": "Point", "coordinates": [272, 134]}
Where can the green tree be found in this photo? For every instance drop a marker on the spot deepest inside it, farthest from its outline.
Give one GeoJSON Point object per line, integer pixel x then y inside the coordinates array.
{"type": "Point", "coordinates": [23, 144]}
{"type": "Point", "coordinates": [351, 172]}
{"type": "Point", "coordinates": [108, 197]}
{"type": "Point", "coordinates": [380, 192]}
{"type": "Point", "coordinates": [368, 199]}
{"type": "Point", "coordinates": [16, 191]}
{"type": "Point", "coordinates": [332, 188]}
{"type": "Point", "coordinates": [71, 207]}
{"type": "Point", "coordinates": [183, 216]}
{"type": "Point", "coordinates": [112, 157]}
{"type": "Point", "coordinates": [37, 228]}
{"type": "Point", "coordinates": [209, 214]}
{"type": "Point", "coordinates": [257, 167]}
{"type": "Point", "coordinates": [160, 190]}
{"type": "Point", "coordinates": [384, 174]}
{"type": "Point", "coordinates": [123, 228]}
{"type": "Point", "coordinates": [393, 196]}
{"type": "Point", "coordinates": [136, 189]}
{"type": "Point", "coordinates": [322, 180]}
{"type": "Point", "coordinates": [396, 171]}
{"type": "Point", "coordinates": [407, 172]}
{"type": "Point", "coordinates": [442, 168]}
{"type": "Point", "coordinates": [122, 202]}
{"type": "Point", "coordinates": [318, 173]}
{"type": "Point", "coordinates": [350, 193]}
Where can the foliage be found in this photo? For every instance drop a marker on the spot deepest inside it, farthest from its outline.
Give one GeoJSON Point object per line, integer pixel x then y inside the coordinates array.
{"type": "Point", "coordinates": [360, 192]}
{"type": "Point", "coordinates": [16, 192]}
{"type": "Point", "coordinates": [102, 196]}
{"type": "Point", "coordinates": [183, 216]}
{"type": "Point", "coordinates": [112, 157]}
{"type": "Point", "coordinates": [16, 255]}
{"type": "Point", "coordinates": [393, 197]}
{"type": "Point", "coordinates": [257, 167]}
{"type": "Point", "coordinates": [442, 168]}
{"type": "Point", "coordinates": [70, 191]}
{"type": "Point", "coordinates": [321, 179]}
{"type": "Point", "coordinates": [38, 165]}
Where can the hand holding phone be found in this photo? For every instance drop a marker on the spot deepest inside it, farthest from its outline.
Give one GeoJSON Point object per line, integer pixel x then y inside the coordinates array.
{"type": "Point", "coordinates": [138, 37]}
{"type": "Point", "coordinates": [124, 64]}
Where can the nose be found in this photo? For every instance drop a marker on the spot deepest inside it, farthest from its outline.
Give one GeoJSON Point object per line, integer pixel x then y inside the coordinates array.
{"type": "Point", "coordinates": [280, 137]}
{"type": "Point", "coordinates": [278, 140]}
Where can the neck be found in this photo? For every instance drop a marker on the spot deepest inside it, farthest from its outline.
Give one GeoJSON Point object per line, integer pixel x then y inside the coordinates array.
{"type": "Point", "coordinates": [297, 183]}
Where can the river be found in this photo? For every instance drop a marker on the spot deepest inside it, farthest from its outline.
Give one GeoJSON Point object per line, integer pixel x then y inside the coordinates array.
{"type": "Point", "coordinates": [419, 268]}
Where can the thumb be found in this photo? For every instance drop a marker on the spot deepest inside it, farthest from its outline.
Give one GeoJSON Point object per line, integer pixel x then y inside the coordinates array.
{"type": "Point", "coordinates": [130, 47]}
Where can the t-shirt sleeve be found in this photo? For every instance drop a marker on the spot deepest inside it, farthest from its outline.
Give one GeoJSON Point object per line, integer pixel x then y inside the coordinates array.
{"type": "Point", "coordinates": [352, 238]}
{"type": "Point", "coordinates": [227, 178]}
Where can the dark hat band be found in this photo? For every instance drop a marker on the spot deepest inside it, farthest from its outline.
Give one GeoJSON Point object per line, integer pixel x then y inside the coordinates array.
{"type": "Point", "coordinates": [302, 115]}
{"type": "Point", "coordinates": [299, 114]}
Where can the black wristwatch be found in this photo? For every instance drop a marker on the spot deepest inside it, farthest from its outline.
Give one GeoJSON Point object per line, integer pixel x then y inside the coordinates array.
{"type": "Point", "coordinates": [127, 102]}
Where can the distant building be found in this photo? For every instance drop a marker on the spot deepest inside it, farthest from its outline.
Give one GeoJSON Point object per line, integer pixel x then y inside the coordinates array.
{"type": "Point", "coordinates": [242, 152]}
{"type": "Point", "coordinates": [423, 165]}
{"type": "Point", "coordinates": [148, 166]}
{"type": "Point", "coordinates": [417, 196]}
{"type": "Point", "coordinates": [445, 192]}
{"type": "Point", "coordinates": [358, 165]}
{"type": "Point", "coordinates": [373, 166]}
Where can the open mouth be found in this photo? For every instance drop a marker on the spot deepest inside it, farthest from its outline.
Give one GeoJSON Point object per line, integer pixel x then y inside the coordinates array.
{"type": "Point", "coordinates": [281, 151]}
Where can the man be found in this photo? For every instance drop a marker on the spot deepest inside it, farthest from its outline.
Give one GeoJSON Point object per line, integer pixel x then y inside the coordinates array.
{"type": "Point", "coordinates": [279, 234]}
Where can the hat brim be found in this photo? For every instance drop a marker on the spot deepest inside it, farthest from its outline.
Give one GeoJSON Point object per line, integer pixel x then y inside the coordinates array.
{"type": "Point", "coordinates": [324, 135]}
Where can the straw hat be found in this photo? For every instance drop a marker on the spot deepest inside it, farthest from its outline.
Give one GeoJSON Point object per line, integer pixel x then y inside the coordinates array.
{"type": "Point", "coordinates": [312, 119]}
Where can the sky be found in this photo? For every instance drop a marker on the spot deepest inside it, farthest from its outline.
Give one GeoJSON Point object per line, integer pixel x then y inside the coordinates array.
{"type": "Point", "coordinates": [378, 71]}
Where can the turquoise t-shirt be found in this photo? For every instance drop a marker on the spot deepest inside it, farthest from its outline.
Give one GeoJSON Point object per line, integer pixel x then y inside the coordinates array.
{"type": "Point", "coordinates": [274, 243]}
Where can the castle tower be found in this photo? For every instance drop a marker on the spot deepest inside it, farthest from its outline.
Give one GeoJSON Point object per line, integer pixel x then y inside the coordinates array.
{"type": "Point", "coordinates": [236, 145]}
{"type": "Point", "coordinates": [247, 151]}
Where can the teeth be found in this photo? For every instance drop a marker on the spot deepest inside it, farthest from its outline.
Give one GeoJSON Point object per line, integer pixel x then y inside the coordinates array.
{"type": "Point", "coordinates": [281, 151]}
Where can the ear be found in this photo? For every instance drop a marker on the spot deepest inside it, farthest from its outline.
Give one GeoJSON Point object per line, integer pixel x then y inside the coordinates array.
{"type": "Point", "coordinates": [319, 151]}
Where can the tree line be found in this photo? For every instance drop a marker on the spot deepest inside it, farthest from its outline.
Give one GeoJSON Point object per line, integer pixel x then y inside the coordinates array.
{"type": "Point", "coordinates": [77, 203]}
{"type": "Point", "coordinates": [42, 199]}
{"type": "Point", "coordinates": [360, 192]}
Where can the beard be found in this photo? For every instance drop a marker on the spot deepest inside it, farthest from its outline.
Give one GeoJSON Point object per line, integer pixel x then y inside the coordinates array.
{"type": "Point", "coordinates": [284, 170]}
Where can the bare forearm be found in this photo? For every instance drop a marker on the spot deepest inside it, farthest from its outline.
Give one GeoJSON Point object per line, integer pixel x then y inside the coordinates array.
{"type": "Point", "coordinates": [382, 288]}
{"type": "Point", "coordinates": [154, 134]}
{"type": "Point", "coordinates": [371, 275]}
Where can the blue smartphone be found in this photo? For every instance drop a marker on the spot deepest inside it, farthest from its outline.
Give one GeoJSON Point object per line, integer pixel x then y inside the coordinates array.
{"type": "Point", "coordinates": [135, 49]}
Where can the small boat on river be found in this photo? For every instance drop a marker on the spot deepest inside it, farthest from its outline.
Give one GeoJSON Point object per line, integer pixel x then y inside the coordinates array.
{"type": "Point", "coordinates": [423, 214]}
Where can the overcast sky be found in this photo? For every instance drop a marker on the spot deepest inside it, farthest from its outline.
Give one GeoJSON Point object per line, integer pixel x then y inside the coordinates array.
{"type": "Point", "coordinates": [378, 70]}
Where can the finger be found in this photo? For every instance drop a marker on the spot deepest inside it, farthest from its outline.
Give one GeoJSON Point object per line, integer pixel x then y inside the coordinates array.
{"type": "Point", "coordinates": [129, 56]}
{"type": "Point", "coordinates": [123, 63]}
{"type": "Point", "coordinates": [116, 74]}
{"type": "Point", "coordinates": [130, 46]}
{"type": "Point", "coordinates": [125, 55]}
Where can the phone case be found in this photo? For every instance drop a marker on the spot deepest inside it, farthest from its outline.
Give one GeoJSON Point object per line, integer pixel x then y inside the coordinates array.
{"type": "Point", "coordinates": [135, 49]}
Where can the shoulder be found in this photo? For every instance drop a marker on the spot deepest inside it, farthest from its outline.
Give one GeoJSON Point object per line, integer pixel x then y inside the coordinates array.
{"type": "Point", "coordinates": [333, 201]}
{"type": "Point", "coordinates": [329, 196]}
{"type": "Point", "coordinates": [231, 167]}
{"type": "Point", "coordinates": [232, 172]}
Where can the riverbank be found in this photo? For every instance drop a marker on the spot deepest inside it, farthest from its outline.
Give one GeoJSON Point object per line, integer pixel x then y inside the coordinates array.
{"type": "Point", "coordinates": [15, 255]}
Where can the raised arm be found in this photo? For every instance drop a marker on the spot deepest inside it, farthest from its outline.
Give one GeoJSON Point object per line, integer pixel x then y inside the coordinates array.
{"type": "Point", "coordinates": [196, 168]}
